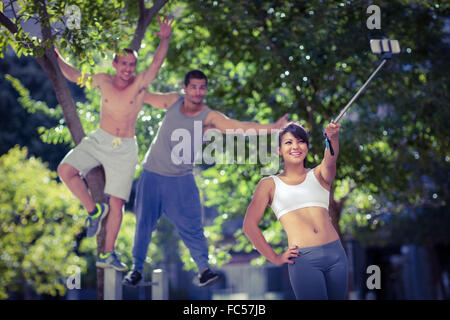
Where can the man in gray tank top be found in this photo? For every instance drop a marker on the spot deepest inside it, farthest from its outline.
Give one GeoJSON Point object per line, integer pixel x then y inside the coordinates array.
{"type": "Point", "coordinates": [167, 184]}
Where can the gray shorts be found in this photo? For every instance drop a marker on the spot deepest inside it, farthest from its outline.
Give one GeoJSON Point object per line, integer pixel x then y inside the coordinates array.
{"type": "Point", "coordinates": [119, 157]}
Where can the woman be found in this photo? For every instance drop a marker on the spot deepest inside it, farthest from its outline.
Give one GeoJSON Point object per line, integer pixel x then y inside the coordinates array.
{"type": "Point", "coordinates": [300, 198]}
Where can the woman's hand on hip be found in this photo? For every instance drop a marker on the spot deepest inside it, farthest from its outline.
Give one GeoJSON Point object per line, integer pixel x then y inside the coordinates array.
{"type": "Point", "coordinates": [286, 256]}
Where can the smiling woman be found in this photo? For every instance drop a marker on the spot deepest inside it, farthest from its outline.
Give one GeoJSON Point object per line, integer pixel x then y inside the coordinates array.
{"type": "Point", "coordinates": [292, 134]}
{"type": "Point", "coordinates": [299, 198]}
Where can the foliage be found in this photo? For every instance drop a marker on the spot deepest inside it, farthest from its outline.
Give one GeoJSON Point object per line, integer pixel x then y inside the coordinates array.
{"type": "Point", "coordinates": [96, 18]}
{"type": "Point", "coordinates": [42, 230]}
{"type": "Point", "coordinates": [39, 221]}
{"type": "Point", "coordinates": [20, 125]}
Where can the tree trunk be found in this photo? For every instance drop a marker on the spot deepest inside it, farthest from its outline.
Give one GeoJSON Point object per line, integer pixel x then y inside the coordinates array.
{"type": "Point", "coordinates": [335, 210]}
{"type": "Point", "coordinates": [96, 177]}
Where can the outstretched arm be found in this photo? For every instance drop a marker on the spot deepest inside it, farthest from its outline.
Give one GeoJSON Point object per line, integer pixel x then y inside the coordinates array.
{"type": "Point", "coordinates": [250, 227]}
{"type": "Point", "coordinates": [72, 74]}
{"type": "Point", "coordinates": [219, 121]}
{"type": "Point", "coordinates": [161, 100]}
{"type": "Point", "coordinates": [165, 31]}
{"type": "Point", "coordinates": [328, 164]}
{"type": "Point", "coordinates": [67, 70]}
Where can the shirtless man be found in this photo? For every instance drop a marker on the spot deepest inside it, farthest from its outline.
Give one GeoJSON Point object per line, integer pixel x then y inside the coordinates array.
{"type": "Point", "coordinates": [113, 145]}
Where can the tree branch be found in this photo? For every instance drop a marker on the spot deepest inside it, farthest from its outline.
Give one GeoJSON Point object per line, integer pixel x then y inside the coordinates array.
{"type": "Point", "coordinates": [145, 17]}
{"type": "Point", "coordinates": [153, 11]}
{"type": "Point", "coordinates": [141, 7]}
{"type": "Point", "coordinates": [12, 8]}
{"type": "Point", "coordinates": [13, 28]}
{"type": "Point", "coordinates": [45, 23]}
{"type": "Point", "coordinates": [8, 24]}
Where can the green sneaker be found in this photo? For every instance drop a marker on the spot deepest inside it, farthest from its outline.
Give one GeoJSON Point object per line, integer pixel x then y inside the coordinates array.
{"type": "Point", "coordinates": [110, 260]}
{"type": "Point", "coordinates": [95, 221]}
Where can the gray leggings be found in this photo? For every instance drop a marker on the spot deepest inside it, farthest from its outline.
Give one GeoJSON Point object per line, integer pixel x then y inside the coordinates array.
{"type": "Point", "coordinates": [320, 272]}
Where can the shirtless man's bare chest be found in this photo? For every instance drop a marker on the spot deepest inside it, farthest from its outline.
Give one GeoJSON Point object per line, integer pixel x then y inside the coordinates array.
{"type": "Point", "coordinates": [120, 106]}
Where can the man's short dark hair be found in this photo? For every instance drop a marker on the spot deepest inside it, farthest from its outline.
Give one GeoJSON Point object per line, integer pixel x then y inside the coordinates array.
{"type": "Point", "coordinates": [194, 74]}
{"type": "Point", "coordinates": [126, 51]}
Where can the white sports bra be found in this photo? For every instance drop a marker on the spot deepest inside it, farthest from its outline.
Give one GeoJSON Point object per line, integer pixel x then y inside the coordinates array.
{"type": "Point", "coordinates": [309, 193]}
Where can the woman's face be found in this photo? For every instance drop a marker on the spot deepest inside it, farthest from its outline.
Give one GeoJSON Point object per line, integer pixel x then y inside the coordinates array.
{"type": "Point", "coordinates": [292, 149]}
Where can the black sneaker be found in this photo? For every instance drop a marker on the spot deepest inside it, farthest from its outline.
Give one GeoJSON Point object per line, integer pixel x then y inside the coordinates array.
{"type": "Point", "coordinates": [207, 277]}
{"type": "Point", "coordinates": [133, 278]}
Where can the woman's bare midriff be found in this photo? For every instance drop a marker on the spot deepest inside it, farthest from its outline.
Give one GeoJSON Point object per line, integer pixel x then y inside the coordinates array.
{"type": "Point", "coordinates": [307, 227]}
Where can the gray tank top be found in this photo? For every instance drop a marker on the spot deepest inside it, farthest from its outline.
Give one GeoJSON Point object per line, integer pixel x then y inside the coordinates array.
{"type": "Point", "coordinates": [178, 141]}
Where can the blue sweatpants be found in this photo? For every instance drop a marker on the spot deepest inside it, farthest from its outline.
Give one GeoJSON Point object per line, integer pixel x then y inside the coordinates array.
{"type": "Point", "coordinates": [320, 272]}
{"type": "Point", "coordinates": [179, 199]}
